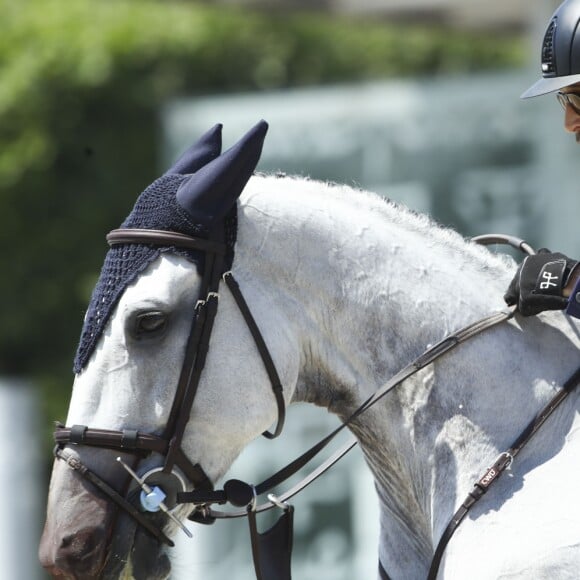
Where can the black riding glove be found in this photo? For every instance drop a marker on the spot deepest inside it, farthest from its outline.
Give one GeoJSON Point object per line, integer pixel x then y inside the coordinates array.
{"type": "Point", "coordinates": [539, 282]}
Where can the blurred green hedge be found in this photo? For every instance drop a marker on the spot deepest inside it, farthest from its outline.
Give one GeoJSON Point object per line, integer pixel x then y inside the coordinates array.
{"type": "Point", "coordinates": [81, 83]}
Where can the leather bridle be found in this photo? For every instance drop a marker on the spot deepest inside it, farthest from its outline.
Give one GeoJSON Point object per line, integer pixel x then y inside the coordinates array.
{"type": "Point", "coordinates": [169, 443]}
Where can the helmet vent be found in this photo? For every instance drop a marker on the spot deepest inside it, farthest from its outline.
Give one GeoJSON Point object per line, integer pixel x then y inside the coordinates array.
{"type": "Point", "coordinates": [548, 56]}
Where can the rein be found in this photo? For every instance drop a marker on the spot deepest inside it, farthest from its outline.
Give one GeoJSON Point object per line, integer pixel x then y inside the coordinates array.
{"type": "Point", "coordinates": [203, 498]}
{"type": "Point", "coordinates": [271, 550]}
{"type": "Point", "coordinates": [502, 463]}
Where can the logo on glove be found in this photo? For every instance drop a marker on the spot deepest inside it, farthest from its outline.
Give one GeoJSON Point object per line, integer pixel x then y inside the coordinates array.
{"type": "Point", "coordinates": [548, 281]}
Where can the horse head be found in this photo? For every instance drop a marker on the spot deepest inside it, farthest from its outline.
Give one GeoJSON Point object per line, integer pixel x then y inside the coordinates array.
{"type": "Point", "coordinates": [155, 392]}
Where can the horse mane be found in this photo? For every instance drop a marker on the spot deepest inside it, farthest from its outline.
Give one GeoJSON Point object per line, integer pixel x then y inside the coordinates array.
{"type": "Point", "coordinates": [361, 201]}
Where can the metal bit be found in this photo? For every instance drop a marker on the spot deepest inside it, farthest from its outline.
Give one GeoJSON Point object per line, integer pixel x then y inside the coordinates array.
{"type": "Point", "coordinates": [152, 498]}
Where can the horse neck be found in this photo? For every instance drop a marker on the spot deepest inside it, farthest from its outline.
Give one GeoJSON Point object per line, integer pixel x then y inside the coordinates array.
{"type": "Point", "coordinates": [368, 287]}
{"type": "Point", "coordinates": [369, 284]}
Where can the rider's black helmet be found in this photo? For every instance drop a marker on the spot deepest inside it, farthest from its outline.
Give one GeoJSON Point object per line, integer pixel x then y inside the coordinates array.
{"type": "Point", "coordinates": [560, 51]}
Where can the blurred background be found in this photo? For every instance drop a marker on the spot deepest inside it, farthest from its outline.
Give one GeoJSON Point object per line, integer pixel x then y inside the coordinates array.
{"type": "Point", "coordinates": [415, 99]}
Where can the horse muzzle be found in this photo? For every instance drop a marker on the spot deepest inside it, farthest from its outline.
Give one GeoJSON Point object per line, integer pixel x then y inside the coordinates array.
{"type": "Point", "coordinates": [86, 536]}
{"type": "Point", "coordinates": [77, 528]}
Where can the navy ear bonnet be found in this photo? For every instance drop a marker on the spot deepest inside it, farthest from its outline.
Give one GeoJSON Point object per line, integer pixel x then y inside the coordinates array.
{"type": "Point", "coordinates": [197, 197]}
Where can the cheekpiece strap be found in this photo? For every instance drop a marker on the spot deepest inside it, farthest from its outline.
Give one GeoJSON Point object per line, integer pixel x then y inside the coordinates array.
{"type": "Point", "coordinates": [264, 353]}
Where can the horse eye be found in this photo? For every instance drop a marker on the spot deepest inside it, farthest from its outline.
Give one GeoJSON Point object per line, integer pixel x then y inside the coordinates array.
{"type": "Point", "coordinates": [149, 324]}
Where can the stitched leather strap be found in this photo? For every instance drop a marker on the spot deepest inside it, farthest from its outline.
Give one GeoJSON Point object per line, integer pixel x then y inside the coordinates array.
{"type": "Point", "coordinates": [122, 440]}
{"type": "Point", "coordinates": [501, 464]}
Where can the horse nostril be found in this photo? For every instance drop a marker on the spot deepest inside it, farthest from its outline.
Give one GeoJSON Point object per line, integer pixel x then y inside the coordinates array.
{"type": "Point", "coordinates": [80, 542]}
{"type": "Point", "coordinates": [80, 553]}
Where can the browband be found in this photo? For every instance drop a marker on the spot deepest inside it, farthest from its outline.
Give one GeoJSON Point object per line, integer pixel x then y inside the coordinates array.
{"type": "Point", "coordinates": [163, 238]}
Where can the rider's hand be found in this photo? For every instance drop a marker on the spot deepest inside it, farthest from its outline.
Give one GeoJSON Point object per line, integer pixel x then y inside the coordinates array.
{"type": "Point", "coordinates": [539, 283]}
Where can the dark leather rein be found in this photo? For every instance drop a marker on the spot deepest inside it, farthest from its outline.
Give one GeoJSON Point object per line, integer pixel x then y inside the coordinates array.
{"type": "Point", "coordinates": [237, 493]}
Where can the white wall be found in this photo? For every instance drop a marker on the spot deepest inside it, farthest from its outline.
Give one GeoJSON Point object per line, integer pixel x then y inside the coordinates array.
{"type": "Point", "coordinates": [21, 488]}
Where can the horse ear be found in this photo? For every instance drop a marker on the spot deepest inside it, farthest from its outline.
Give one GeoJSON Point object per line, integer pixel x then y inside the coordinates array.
{"type": "Point", "coordinates": [209, 194]}
{"type": "Point", "coordinates": [207, 148]}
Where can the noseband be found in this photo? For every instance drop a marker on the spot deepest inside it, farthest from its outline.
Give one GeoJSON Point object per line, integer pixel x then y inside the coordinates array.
{"type": "Point", "coordinates": [169, 443]}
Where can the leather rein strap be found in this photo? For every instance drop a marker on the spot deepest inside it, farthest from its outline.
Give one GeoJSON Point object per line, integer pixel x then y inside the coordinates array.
{"type": "Point", "coordinates": [502, 463]}
{"type": "Point", "coordinates": [204, 498]}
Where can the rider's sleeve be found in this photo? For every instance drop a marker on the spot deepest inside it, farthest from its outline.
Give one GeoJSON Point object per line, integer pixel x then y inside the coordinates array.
{"type": "Point", "coordinates": [573, 308]}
